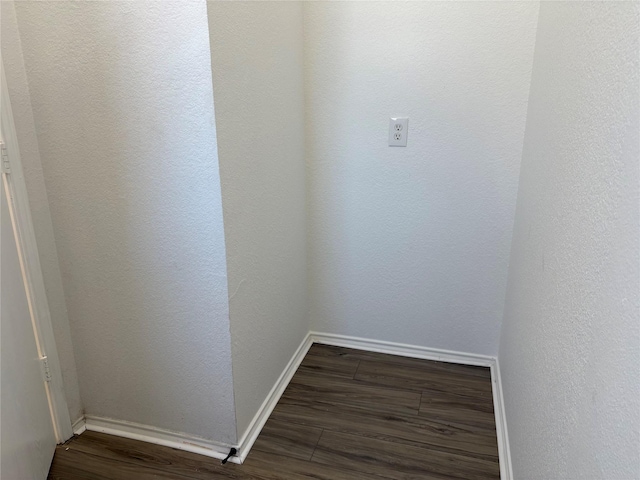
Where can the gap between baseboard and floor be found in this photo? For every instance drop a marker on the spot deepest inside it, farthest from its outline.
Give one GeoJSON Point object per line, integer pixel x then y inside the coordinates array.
{"type": "Point", "coordinates": [208, 448]}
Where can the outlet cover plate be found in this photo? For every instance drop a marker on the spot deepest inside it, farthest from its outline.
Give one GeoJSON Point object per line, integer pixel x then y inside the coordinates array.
{"type": "Point", "coordinates": [398, 131]}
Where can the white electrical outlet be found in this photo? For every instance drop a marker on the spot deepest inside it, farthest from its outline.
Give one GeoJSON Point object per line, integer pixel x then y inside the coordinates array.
{"type": "Point", "coordinates": [398, 130]}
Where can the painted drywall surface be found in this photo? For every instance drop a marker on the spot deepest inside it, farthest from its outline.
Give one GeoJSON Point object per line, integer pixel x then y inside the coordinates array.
{"type": "Point", "coordinates": [123, 108]}
{"type": "Point", "coordinates": [411, 244]}
{"type": "Point", "coordinates": [40, 214]}
{"type": "Point", "coordinates": [257, 59]}
{"type": "Point", "coordinates": [570, 345]}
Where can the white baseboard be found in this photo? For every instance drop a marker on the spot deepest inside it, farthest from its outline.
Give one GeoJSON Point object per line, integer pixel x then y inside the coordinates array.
{"type": "Point", "coordinates": [191, 443]}
{"type": "Point", "coordinates": [255, 427]}
{"type": "Point", "coordinates": [79, 426]}
{"type": "Point", "coordinates": [506, 469]}
{"type": "Point", "coordinates": [402, 349]}
{"type": "Point", "coordinates": [159, 436]}
{"type": "Point", "coordinates": [201, 446]}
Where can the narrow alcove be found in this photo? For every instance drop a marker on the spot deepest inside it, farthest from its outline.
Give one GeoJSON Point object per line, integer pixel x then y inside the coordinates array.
{"type": "Point", "coordinates": [212, 191]}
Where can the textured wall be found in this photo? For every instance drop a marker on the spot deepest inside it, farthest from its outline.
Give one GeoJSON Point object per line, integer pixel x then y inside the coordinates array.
{"type": "Point", "coordinates": [256, 54]}
{"type": "Point", "coordinates": [412, 244]}
{"type": "Point", "coordinates": [30, 155]}
{"type": "Point", "coordinates": [570, 345]}
{"type": "Point", "coordinates": [123, 108]}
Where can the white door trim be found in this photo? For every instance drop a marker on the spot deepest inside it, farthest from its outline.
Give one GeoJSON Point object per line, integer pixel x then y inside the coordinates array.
{"type": "Point", "coordinates": [32, 272]}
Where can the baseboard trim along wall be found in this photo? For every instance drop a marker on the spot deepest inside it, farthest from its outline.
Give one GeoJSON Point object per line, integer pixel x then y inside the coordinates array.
{"type": "Point", "coordinates": [506, 468]}
{"type": "Point", "coordinates": [79, 426]}
{"type": "Point", "coordinates": [158, 436]}
{"type": "Point", "coordinates": [255, 427]}
{"type": "Point", "coordinates": [205, 447]}
{"type": "Point", "coordinates": [402, 349]}
{"type": "Point", "coordinates": [190, 443]}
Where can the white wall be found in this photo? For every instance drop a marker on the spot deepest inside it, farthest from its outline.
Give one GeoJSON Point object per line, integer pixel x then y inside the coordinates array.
{"type": "Point", "coordinates": [257, 59]}
{"type": "Point", "coordinates": [30, 155]}
{"type": "Point", "coordinates": [123, 109]}
{"type": "Point", "coordinates": [570, 345]}
{"type": "Point", "coordinates": [412, 244]}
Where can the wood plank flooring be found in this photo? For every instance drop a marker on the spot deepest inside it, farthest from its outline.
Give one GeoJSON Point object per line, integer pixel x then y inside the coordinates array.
{"type": "Point", "coordinates": [346, 415]}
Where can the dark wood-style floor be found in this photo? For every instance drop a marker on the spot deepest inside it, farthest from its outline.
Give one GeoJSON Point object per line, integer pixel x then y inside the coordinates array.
{"type": "Point", "coordinates": [346, 415]}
